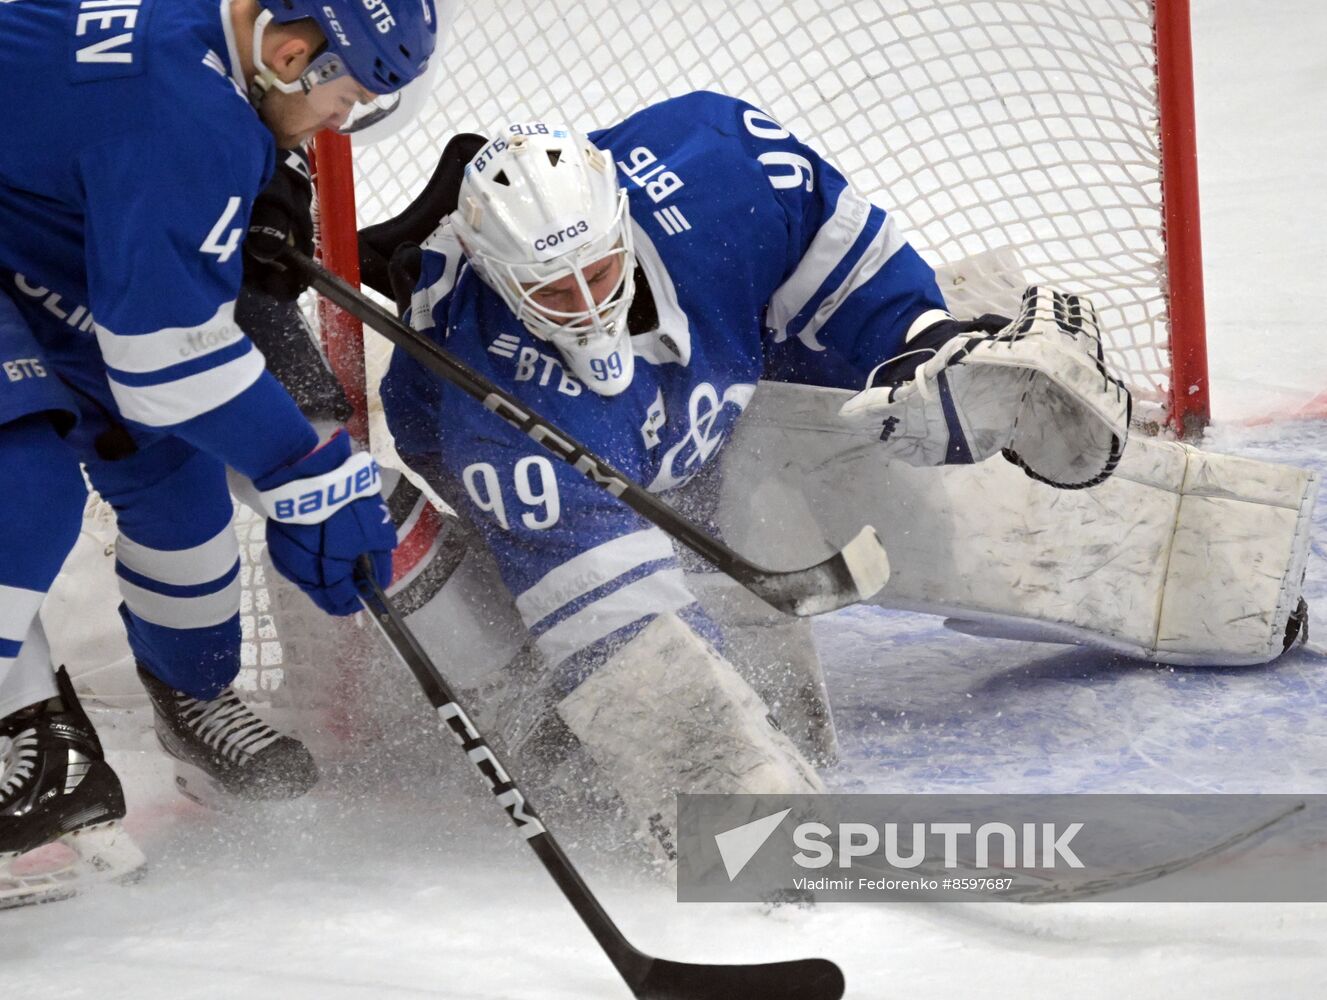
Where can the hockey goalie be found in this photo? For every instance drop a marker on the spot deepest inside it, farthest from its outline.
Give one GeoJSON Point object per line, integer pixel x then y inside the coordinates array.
{"type": "Point", "coordinates": [703, 301]}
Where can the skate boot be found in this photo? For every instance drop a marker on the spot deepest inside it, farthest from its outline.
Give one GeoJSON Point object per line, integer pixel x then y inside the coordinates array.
{"type": "Point", "coordinates": [223, 752]}
{"type": "Point", "coordinates": [55, 786]}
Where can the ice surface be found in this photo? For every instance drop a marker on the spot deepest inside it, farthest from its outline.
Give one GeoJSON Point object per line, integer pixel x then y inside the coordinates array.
{"type": "Point", "coordinates": [1262, 148]}
{"type": "Point", "coordinates": [416, 886]}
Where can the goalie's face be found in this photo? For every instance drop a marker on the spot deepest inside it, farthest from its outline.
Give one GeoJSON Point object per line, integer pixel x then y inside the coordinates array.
{"type": "Point", "coordinates": [582, 311]}
{"type": "Point", "coordinates": [577, 301]}
{"type": "Point", "coordinates": [572, 301]}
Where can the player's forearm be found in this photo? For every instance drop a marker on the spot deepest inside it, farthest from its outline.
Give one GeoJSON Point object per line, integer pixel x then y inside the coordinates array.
{"type": "Point", "coordinates": [256, 432]}
{"type": "Point", "coordinates": [878, 319]}
{"type": "Point", "coordinates": [207, 384]}
{"type": "Point", "coordinates": [833, 330]}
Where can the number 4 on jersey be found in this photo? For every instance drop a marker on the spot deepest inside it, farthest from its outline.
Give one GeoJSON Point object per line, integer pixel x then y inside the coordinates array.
{"type": "Point", "coordinates": [224, 247]}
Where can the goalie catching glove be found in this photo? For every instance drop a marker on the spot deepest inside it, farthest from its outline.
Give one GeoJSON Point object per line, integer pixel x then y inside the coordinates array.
{"type": "Point", "coordinates": [324, 511]}
{"type": "Point", "coordinates": [1038, 391]}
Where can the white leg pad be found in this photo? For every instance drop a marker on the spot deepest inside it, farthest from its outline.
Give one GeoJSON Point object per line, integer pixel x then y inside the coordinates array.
{"type": "Point", "coordinates": [1182, 556]}
{"type": "Point", "coordinates": [667, 714]}
{"type": "Point", "coordinates": [777, 656]}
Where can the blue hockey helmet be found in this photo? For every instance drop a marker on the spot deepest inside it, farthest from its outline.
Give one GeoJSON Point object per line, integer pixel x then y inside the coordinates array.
{"type": "Point", "coordinates": [383, 45]}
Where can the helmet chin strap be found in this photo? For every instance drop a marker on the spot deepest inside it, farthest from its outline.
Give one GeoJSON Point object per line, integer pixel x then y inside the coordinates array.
{"type": "Point", "coordinates": [265, 79]}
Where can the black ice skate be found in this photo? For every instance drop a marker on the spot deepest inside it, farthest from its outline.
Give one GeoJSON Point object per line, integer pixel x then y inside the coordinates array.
{"type": "Point", "coordinates": [223, 752]}
{"type": "Point", "coordinates": [55, 785]}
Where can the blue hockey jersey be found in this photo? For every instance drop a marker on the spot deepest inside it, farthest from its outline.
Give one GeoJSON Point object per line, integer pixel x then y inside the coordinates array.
{"type": "Point", "coordinates": [762, 263]}
{"type": "Point", "coordinates": [129, 166]}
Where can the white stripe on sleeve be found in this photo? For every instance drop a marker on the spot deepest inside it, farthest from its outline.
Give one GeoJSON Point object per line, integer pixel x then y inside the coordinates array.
{"type": "Point", "coordinates": [835, 238]}
{"type": "Point", "coordinates": [442, 243]}
{"type": "Point", "coordinates": [149, 352]}
{"type": "Point", "coordinates": [185, 398]}
{"type": "Point", "coordinates": [924, 322]}
{"type": "Point", "coordinates": [887, 242]}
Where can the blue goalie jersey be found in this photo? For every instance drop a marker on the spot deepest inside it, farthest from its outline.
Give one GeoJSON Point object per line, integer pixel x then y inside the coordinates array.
{"type": "Point", "coordinates": [130, 162]}
{"type": "Point", "coordinates": [761, 262]}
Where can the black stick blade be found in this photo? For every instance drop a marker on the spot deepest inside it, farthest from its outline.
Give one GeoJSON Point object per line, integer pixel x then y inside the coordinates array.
{"type": "Point", "coordinates": [803, 979]}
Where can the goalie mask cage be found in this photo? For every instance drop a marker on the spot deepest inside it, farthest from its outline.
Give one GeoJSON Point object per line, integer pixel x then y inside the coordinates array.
{"type": "Point", "coordinates": [1060, 128]}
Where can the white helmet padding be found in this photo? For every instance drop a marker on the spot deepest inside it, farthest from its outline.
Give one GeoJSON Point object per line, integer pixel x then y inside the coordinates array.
{"type": "Point", "coordinates": [541, 204]}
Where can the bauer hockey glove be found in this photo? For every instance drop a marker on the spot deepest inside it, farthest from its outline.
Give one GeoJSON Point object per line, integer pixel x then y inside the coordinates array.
{"type": "Point", "coordinates": [282, 217]}
{"type": "Point", "coordinates": [1039, 391]}
{"type": "Point", "coordinates": [325, 511]}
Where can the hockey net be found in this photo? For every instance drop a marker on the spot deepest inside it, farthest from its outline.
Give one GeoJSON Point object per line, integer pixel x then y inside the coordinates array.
{"type": "Point", "coordinates": [1028, 125]}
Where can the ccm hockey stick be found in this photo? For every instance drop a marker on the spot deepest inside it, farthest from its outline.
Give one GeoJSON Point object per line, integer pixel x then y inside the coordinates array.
{"type": "Point", "coordinates": [649, 978]}
{"type": "Point", "coordinates": [854, 573]}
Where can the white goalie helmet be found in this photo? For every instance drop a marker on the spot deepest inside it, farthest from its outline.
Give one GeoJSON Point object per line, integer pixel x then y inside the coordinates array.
{"type": "Point", "coordinates": [545, 225]}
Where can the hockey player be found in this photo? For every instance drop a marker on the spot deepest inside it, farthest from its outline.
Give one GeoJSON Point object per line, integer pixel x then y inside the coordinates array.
{"type": "Point", "coordinates": [146, 130]}
{"type": "Point", "coordinates": [633, 287]}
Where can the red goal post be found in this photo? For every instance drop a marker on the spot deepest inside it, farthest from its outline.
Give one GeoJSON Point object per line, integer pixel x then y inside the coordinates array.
{"type": "Point", "coordinates": [1190, 401]}
{"type": "Point", "coordinates": [1063, 129]}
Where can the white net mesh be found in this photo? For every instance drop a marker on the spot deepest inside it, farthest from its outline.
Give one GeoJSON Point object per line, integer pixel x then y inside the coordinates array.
{"type": "Point", "coordinates": [982, 124]}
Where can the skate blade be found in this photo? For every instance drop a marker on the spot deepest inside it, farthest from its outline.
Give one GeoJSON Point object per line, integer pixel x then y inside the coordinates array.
{"type": "Point", "coordinates": [198, 786]}
{"type": "Point", "coordinates": [100, 853]}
